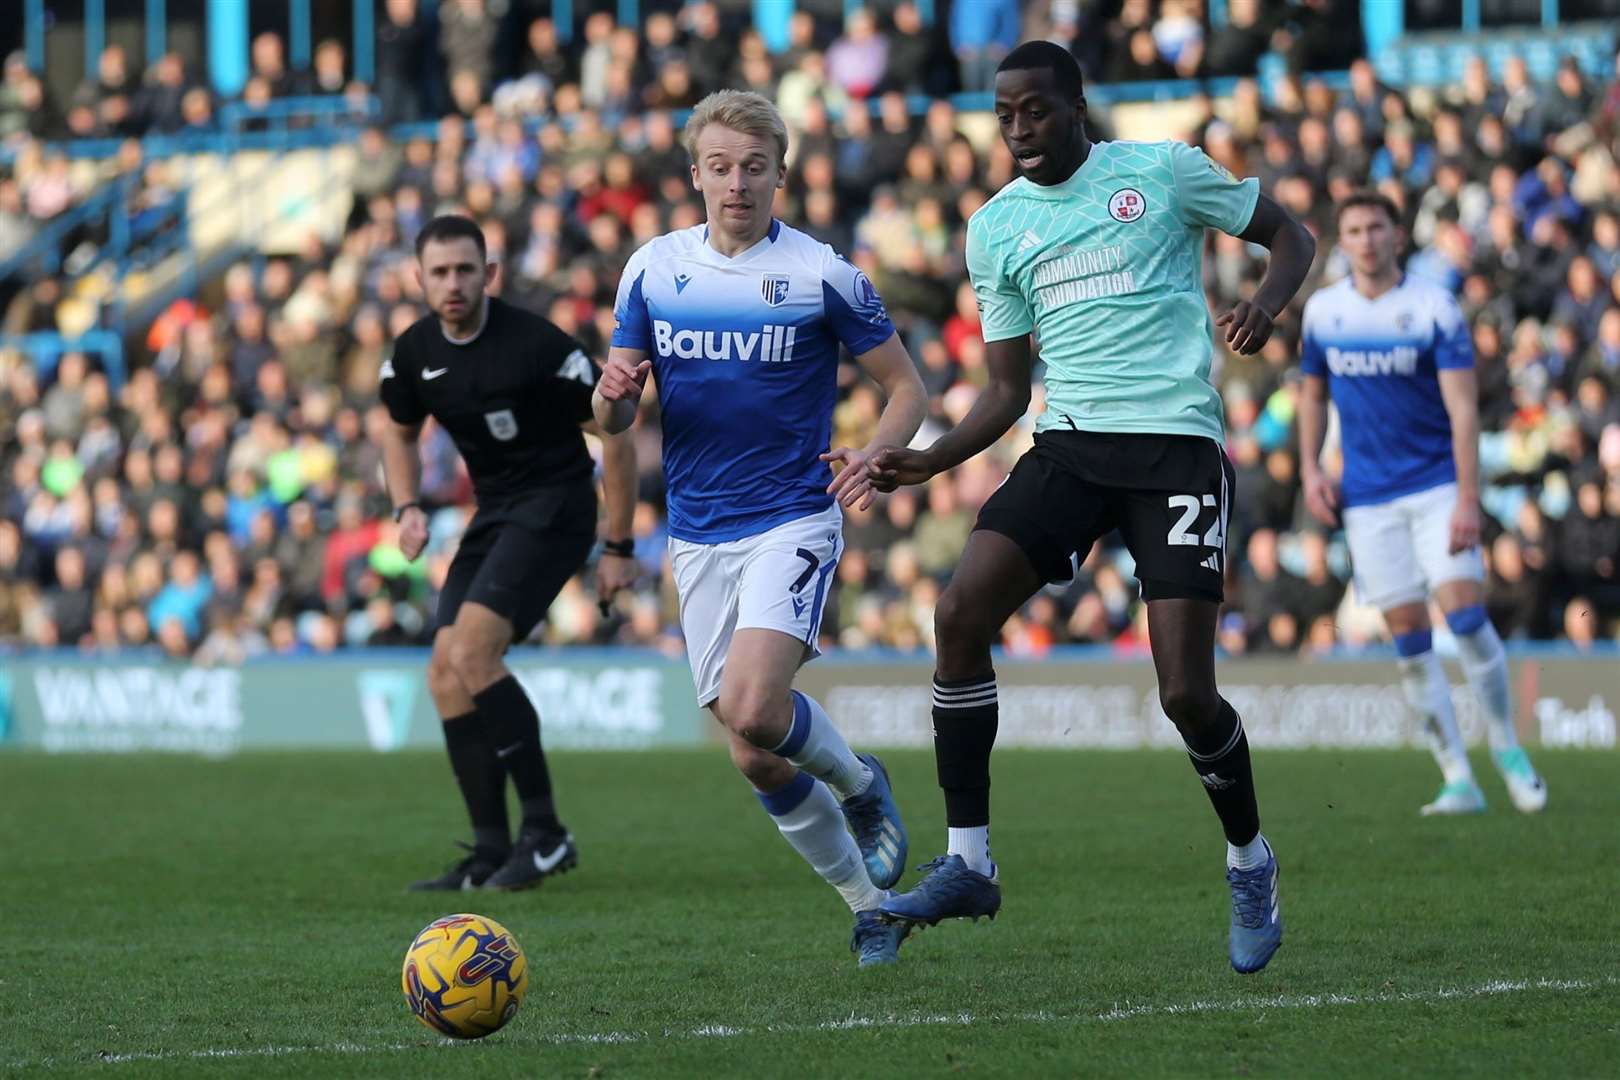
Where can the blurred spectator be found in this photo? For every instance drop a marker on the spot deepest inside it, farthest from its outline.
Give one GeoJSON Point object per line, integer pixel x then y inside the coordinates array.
{"type": "Point", "coordinates": [1236, 48]}
{"type": "Point", "coordinates": [857, 61]}
{"type": "Point", "coordinates": [467, 32]}
{"type": "Point", "coordinates": [269, 63]}
{"type": "Point", "coordinates": [981, 34]}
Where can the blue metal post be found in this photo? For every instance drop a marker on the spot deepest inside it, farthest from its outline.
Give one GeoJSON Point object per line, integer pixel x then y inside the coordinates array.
{"type": "Point", "coordinates": [1470, 15]}
{"type": "Point", "coordinates": [562, 15]}
{"type": "Point", "coordinates": [365, 42]}
{"type": "Point", "coordinates": [772, 18]}
{"type": "Point", "coordinates": [851, 7]}
{"type": "Point", "coordinates": [1549, 14]}
{"type": "Point", "coordinates": [630, 13]}
{"type": "Point", "coordinates": [298, 34]}
{"type": "Point", "coordinates": [34, 34]}
{"type": "Point", "coordinates": [925, 8]}
{"type": "Point", "coordinates": [157, 32]}
{"type": "Point", "coordinates": [1217, 14]}
{"type": "Point", "coordinates": [228, 45]}
{"type": "Point", "coordinates": [1381, 24]}
{"type": "Point", "coordinates": [95, 34]}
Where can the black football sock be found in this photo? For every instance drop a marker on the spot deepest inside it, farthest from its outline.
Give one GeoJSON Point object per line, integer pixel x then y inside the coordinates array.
{"type": "Point", "coordinates": [482, 780]}
{"type": "Point", "coordinates": [514, 732]}
{"type": "Point", "coordinates": [1221, 757]}
{"type": "Point", "coordinates": [964, 732]}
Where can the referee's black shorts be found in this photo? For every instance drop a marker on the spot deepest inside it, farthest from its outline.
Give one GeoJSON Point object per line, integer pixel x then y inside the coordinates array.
{"type": "Point", "coordinates": [517, 554]}
{"type": "Point", "coordinates": [1168, 495]}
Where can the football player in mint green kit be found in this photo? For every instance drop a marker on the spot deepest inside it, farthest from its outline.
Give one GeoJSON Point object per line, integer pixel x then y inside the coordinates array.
{"type": "Point", "coordinates": [1097, 250]}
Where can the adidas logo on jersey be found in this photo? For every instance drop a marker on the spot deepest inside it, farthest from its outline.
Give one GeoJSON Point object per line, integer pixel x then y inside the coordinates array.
{"type": "Point", "coordinates": [770, 344]}
{"type": "Point", "coordinates": [1028, 240]}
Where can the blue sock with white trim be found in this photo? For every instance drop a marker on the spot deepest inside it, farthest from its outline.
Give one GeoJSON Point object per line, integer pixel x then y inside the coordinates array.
{"type": "Point", "coordinates": [1484, 664]}
{"type": "Point", "coordinates": [815, 745]}
{"type": "Point", "coordinates": [1428, 692]}
{"type": "Point", "coordinates": [809, 818]}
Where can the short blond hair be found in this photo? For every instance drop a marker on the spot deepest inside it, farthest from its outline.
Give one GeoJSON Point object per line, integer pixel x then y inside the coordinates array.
{"type": "Point", "coordinates": [740, 110]}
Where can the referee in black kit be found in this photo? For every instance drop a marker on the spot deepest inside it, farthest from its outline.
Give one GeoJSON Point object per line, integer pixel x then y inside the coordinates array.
{"type": "Point", "coordinates": [514, 393]}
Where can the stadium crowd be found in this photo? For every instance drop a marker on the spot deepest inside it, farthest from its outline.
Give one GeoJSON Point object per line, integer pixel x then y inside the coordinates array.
{"type": "Point", "coordinates": [225, 500]}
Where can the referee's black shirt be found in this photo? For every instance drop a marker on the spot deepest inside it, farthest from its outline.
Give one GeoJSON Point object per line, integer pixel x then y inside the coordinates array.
{"type": "Point", "coordinates": [512, 398]}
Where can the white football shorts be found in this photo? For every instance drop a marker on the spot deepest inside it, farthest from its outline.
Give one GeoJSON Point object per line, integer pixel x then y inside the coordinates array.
{"type": "Point", "coordinates": [1399, 548]}
{"type": "Point", "coordinates": [777, 580]}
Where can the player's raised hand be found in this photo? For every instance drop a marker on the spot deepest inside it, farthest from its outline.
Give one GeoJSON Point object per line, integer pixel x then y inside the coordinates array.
{"type": "Point", "coordinates": [853, 482]}
{"type": "Point", "coordinates": [892, 466]}
{"type": "Point", "coordinates": [622, 381]}
{"type": "Point", "coordinates": [1321, 498]}
{"type": "Point", "coordinates": [413, 532]}
{"type": "Point", "coordinates": [1464, 527]}
{"type": "Point", "coordinates": [1248, 327]}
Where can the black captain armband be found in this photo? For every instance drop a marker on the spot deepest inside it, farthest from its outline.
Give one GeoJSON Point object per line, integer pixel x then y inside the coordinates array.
{"type": "Point", "coordinates": [399, 511]}
{"type": "Point", "coordinates": [624, 549]}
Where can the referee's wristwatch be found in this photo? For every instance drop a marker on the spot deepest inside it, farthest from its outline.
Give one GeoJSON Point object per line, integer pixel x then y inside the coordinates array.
{"type": "Point", "coordinates": [399, 511]}
{"type": "Point", "coordinates": [624, 549]}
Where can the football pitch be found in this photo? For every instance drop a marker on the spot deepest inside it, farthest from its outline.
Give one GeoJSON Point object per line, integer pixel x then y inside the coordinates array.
{"type": "Point", "coordinates": [172, 917]}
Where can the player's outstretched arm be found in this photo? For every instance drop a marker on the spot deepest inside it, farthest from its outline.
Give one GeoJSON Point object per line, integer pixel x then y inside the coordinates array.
{"type": "Point", "coordinates": [402, 475]}
{"type": "Point", "coordinates": [1459, 390]}
{"type": "Point", "coordinates": [617, 568]}
{"type": "Point", "coordinates": [1000, 405]}
{"type": "Point", "coordinates": [1321, 498]}
{"type": "Point", "coordinates": [618, 390]}
{"type": "Point", "coordinates": [1248, 325]}
{"type": "Point", "coordinates": [905, 404]}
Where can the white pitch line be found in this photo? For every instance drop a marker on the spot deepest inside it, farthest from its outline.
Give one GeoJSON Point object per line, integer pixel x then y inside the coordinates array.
{"type": "Point", "coordinates": [1115, 1014]}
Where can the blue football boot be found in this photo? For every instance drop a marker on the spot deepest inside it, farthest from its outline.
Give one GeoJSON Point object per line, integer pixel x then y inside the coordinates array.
{"type": "Point", "coordinates": [875, 942]}
{"type": "Point", "coordinates": [1257, 924]}
{"type": "Point", "coordinates": [950, 891]}
{"type": "Point", "coordinates": [874, 819]}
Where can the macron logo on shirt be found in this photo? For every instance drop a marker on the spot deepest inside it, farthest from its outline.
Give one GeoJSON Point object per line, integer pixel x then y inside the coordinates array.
{"type": "Point", "coordinates": [771, 344]}
{"type": "Point", "coordinates": [1400, 360]}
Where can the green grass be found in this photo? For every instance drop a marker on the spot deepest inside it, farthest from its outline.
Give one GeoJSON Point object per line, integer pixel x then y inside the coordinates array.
{"type": "Point", "coordinates": [175, 917]}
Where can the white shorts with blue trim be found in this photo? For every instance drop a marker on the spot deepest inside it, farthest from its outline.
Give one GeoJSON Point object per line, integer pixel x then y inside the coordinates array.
{"type": "Point", "coordinates": [777, 580]}
{"type": "Point", "coordinates": [1400, 549]}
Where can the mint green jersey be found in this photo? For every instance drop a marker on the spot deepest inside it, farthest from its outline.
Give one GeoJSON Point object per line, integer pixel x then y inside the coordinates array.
{"type": "Point", "coordinates": [1106, 269]}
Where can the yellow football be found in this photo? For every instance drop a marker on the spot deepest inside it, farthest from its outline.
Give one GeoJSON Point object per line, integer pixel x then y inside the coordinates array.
{"type": "Point", "coordinates": [465, 976]}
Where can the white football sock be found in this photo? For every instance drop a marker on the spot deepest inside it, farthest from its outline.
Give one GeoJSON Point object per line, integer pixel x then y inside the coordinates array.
{"type": "Point", "coordinates": [1251, 856]}
{"type": "Point", "coordinates": [1429, 694]}
{"type": "Point", "coordinates": [814, 745]}
{"type": "Point", "coordinates": [1485, 665]}
{"type": "Point", "coordinates": [815, 828]}
{"type": "Point", "coordinates": [973, 844]}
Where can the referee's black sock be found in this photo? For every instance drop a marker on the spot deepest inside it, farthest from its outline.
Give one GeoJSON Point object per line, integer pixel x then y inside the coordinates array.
{"type": "Point", "coordinates": [514, 732]}
{"type": "Point", "coordinates": [1221, 757]}
{"type": "Point", "coordinates": [481, 779]}
{"type": "Point", "coordinates": [964, 731]}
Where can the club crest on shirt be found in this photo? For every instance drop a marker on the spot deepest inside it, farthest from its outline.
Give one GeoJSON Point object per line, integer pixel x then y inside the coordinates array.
{"type": "Point", "coordinates": [867, 300]}
{"type": "Point", "coordinates": [1127, 204]}
{"type": "Point", "coordinates": [774, 289]}
{"type": "Point", "coordinates": [1403, 321]}
{"type": "Point", "coordinates": [502, 424]}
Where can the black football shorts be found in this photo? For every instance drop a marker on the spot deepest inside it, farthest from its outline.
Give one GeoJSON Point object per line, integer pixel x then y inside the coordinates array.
{"type": "Point", "coordinates": [1170, 496]}
{"type": "Point", "coordinates": [516, 556]}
